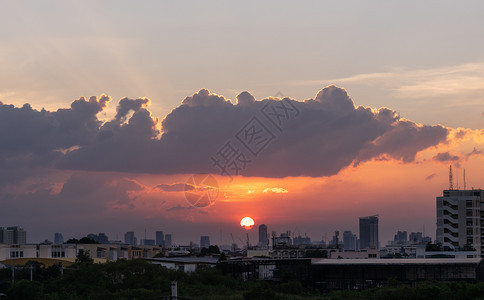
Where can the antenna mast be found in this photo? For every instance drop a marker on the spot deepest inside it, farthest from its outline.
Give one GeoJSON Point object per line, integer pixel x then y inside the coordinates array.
{"type": "Point", "coordinates": [451, 181]}
{"type": "Point", "coordinates": [464, 178]}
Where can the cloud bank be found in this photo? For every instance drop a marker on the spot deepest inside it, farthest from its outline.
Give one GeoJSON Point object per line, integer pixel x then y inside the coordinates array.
{"type": "Point", "coordinates": [271, 137]}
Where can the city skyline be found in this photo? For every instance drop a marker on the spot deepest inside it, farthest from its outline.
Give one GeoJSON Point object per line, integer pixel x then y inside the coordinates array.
{"type": "Point", "coordinates": [158, 238]}
{"type": "Point", "coordinates": [307, 115]}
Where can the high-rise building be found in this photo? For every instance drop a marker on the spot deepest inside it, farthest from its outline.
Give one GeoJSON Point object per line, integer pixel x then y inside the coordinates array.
{"type": "Point", "coordinates": [400, 237]}
{"type": "Point", "coordinates": [168, 240]}
{"type": "Point", "coordinates": [335, 242]}
{"type": "Point", "coordinates": [369, 232]}
{"type": "Point", "coordinates": [459, 219]}
{"type": "Point", "coordinates": [301, 240]}
{"type": "Point", "coordinates": [263, 237]}
{"type": "Point", "coordinates": [102, 238]}
{"type": "Point", "coordinates": [160, 238]}
{"type": "Point", "coordinates": [416, 237]}
{"type": "Point", "coordinates": [129, 238]}
{"type": "Point", "coordinates": [58, 238]}
{"type": "Point", "coordinates": [349, 241]}
{"type": "Point", "coordinates": [6, 236]}
{"type": "Point", "coordinates": [14, 235]}
{"type": "Point", "coordinates": [147, 242]}
{"type": "Point", "coordinates": [204, 241]}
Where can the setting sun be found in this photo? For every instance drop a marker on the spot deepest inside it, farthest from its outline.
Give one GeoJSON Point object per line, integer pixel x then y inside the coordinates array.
{"type": "Point", "coordinates": [247, 223]}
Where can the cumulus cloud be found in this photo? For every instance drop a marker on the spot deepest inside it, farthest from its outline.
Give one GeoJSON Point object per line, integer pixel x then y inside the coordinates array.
{"type": "Point", "coordinates": [208, 133]}
{"type": "Point", "coordinates": [275, 190]}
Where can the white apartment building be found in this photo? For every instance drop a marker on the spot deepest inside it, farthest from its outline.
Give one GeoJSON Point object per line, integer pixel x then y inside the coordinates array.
{"type": "Point", "coordinates": [107, 252]}
{"type": "Point", "coordinates": [460, 219]}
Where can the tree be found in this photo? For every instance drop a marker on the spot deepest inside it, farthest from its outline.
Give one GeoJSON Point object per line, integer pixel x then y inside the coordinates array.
{"type": "Point", "coordinates": [222, 257]}
{"type": "Point", "coordinates": [212, 249]}
{"type": "Point", "coordinates": [84, 258]}
{"type": "Point", "coordinates": [84, 240]}
{"type": "Point", "coordinates": [433, 247]}
{"type": "Point", "coordinates": [25, 290]}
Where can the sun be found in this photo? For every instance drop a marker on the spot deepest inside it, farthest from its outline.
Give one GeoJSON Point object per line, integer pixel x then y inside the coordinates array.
{"type": "Point", "coordinates": [247, 223]}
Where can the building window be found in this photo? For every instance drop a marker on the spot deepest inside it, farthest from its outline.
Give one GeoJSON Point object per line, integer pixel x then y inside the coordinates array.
{"type": "Point", "coordinates": [469, 222]}
{"type": "Point", "coordinates": [469, 212]}
{"type": "Point", "coordinates": [469, 231]}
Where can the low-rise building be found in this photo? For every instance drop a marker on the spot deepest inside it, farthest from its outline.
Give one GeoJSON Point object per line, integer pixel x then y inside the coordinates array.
{"type": "Point", "coordinates": [105, 252]}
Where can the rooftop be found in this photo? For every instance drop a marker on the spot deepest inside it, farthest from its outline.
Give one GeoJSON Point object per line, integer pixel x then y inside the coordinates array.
{"type": "Point", "coordinates": [405, 261]}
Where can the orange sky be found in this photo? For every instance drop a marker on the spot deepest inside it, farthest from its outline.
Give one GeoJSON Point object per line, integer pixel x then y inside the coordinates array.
{"type": "Point", "coordinates": [402, 194]}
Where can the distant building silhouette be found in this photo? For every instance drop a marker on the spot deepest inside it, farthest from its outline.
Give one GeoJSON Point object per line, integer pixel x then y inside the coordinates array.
{"type": "Point", "coordinates": [160, 238]}
{"type": "Point", "coordinates": [349, 241]}
{"type": "Point", "coordinates": [301, 240]}
{"type": "Point", "coordinates": [101, 238]}
{"type": "Point", "coordinates": [130, 239]}
{"type": "Point", "coordinates": [148, 242]}
{"type": "Point", "coordinates": [168, 242]}
{"type": "Point", "coordinates": [400, 237]}
{"type": "Point", "coordinates": [14, 235]}
{"type": "Point", "coordinates": [204, 241]}
{"type": "Point", "coordinates": [58, 238]}
{"type": "Point", "coordinates": [335, 241]}
{"type": "Point", "coordinates": [369, 232]}
{"type": "Point", "coordinates": [263, 237]}
{"type": "Point", "coordinates": [283, 240]}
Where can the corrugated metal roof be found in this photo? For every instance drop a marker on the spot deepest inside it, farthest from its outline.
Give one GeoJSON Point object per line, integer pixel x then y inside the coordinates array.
{"type": "Point", "coordinates": [186, 260]}
{"type": "Point", "coordinates": [406, 261]}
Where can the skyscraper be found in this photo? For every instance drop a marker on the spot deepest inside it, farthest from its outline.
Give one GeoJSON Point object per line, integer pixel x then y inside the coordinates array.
{"type": "Point", "coordinates": [349, 240]}
{"type": "Point", "coordinates": [204, 241]}
{"type": "Point", "coordinates": [263, 238]}
{"type": "Point", "coordinates": [160, 238]}
{"type": "Point", "coordinates": [6, 236]}
{"type": "Point", "coordinates": [58, 238]}
{"type": "Point", "coordinates": [13, 235]}
{"type": "Point", "coordinates": [102, 238]}
{"type": "Point", "coordinates": [369, 232]}
{"type": "Point", "coordinates": [129, 238]}
{"type": "Point", "coordinates": [400, 237]}
{"type": "Point", "coordinates": [460, 219]}
{"type": "Point", "coordinates": [167, 240]}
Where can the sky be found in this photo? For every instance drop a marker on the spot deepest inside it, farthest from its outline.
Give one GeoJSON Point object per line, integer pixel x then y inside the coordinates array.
{"type": "Point", "coordinates": [308, 114]}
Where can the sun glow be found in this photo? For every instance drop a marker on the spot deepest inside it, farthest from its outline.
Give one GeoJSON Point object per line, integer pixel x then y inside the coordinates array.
{"type": "Point", "coordinates": [247, 223]}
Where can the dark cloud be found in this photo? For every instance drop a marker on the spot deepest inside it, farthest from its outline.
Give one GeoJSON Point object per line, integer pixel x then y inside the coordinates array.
{"type": "Point", "coordinates": [315, 137]}
{"type": "Point", "coordinates": [83, 196]}
{"type": "Point", "coordinates": [179, 207]}
{"type": "Point", "coordinates": [39, 134]}
{"type": "Point", "coordinates": [126, 105]}
{"type": "Point", "coordinates": [431, 176]}
{"type": "Point", "coordinates": [175, 187]}
{"type": "Point", "coordinates": [446, 157]}
{"type": "Point", "coordinates": [245, 99]}
{"type": "Point", "coordinates": [474, 151]}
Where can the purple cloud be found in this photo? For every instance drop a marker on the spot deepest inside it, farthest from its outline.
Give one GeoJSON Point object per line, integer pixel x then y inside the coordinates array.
{"type": "Point", "coordinates": [446, 157]}
{"type": "Point", "coordinates": [327, 134]}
